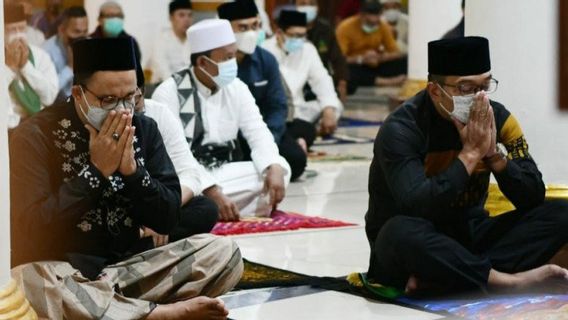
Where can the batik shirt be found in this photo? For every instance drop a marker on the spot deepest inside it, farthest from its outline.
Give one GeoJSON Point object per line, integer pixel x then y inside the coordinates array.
{"type": "Point", "coordinates": [62, 204]}
{"type": "Point", "coordinates": [416, 171]}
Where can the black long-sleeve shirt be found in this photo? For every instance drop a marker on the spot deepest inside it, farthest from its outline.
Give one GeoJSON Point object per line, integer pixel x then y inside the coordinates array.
{"type": "Point", "coordinates": [415, 170]}
{"type": "Point", "coordinates": [61, 203]}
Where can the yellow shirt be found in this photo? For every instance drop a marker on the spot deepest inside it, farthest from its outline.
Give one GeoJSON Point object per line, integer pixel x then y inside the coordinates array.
{"type": "Point", "coordinates": [354, 41]}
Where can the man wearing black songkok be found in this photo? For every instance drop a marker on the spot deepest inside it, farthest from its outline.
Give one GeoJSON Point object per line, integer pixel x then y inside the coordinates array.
{"type": "Point", "coordinates": [426, 222]}
{"type": "Point", "coordinates": [91, 188]}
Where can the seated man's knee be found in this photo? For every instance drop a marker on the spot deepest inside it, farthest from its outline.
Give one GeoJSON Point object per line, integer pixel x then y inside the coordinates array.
{"type": "Point", "coordinates": [297, 160]}
{"type": "Point", "coordinates": [558, 210]}
{"type": "Point", "coordinates": [404, 233]}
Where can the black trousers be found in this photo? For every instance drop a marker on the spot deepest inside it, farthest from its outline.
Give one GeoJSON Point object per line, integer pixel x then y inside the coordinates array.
{"type": "Point", "coordinates": [513, 242]}
{"type": "Point", "coordinates": [299, 128]}
{"type": "Point", "coordinates": [288, 148]}
{"type": "Point", "coordinates": [198, 216]}
{"type": "Point", "coordinates": [364, 76]}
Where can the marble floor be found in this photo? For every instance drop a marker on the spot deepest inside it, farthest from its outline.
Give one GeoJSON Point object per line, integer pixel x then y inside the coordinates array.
{"type": "Point", "coordinates": [335, 190]}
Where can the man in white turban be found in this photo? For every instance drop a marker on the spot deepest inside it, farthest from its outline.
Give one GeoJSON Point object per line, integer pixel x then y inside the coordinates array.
{"type": "Point", "coordinates": [213, 107]}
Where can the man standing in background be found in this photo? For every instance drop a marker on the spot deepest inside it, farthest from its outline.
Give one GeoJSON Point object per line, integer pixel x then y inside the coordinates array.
{"type": "Point", "coordinates": [171, 49]}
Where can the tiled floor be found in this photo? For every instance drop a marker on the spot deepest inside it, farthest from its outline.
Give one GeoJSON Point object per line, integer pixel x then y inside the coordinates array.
{"type": "Point", "coordinates": [338, 191]}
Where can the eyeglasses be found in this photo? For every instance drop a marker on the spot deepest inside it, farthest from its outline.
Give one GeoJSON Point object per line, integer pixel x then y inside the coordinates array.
{"type": "Point", "coordinates": [468, 88]}
{"type": "Point", "coordinates": [111, 102]}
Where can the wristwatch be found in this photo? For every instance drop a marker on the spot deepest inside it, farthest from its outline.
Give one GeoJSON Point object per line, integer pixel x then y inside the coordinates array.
{"type": "Point", "coordinates": [500, 153]}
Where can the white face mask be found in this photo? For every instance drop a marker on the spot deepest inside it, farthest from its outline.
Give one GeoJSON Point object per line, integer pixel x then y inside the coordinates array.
{"type": "Point", "coordinates": [391, 15]}
{"type": "Point", "coordinates": [246, 41]}
{"type": "Point", "coordinates": [462, 106]}
{"type": "Point", "coordinates": [16, 36]}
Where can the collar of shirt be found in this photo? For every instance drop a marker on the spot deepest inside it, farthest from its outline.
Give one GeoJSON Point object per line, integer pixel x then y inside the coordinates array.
{"type": "Point", "coordinates": [206, 92]}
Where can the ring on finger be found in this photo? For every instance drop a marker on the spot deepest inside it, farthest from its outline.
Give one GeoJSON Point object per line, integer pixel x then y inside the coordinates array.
{"type": "Point", "coordinates": [115, 136]}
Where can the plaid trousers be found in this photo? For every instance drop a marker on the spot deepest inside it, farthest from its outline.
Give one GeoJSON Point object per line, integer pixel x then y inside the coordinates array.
{"type": "Point", "coordinates": [200, 265]}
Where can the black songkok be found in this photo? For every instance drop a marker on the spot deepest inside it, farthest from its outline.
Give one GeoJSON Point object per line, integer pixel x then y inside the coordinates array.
{"type": "Point", "coordinates": [237, 10]}
{"type": "Point", "coordinates": [103, 54]}
{"type": "Point", "coordinates": [290, 18]}
{"type": "Point", "coordinates": [464, 56]}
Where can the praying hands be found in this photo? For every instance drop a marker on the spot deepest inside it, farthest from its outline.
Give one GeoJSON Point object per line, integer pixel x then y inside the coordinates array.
{"type": "Point", "coordinates": [111, 148]}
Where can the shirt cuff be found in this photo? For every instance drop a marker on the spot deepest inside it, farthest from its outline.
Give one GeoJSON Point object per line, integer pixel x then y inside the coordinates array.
{"type": "Point", "coordinates": [90, 180]}
{"type": "Point", "coordinates": [27, 70]}
{"type": "Point", "coordinates": [458, 175]}
{"type": "Point", "coordinates": [10, 75]}
{"type": "Point", "coordinates": [139, 180]}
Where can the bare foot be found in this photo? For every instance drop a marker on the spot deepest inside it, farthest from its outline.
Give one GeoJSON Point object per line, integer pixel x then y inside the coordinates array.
{"type": "Point", "coordinates": [527, 279]}
{"type": "Point", "coordinates": [199, 308]}
{"type": "Point", "coordinates": [541, 275]}
{"type": "Point", "coordinates": [302, 143]}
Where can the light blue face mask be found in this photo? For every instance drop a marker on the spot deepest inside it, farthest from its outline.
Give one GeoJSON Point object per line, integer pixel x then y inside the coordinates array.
{"type": "Point", "coordinates": [369, 29]}
{"type": "Point", "coordinates": [261, 37]}
{"type": "Point", "coordinates": [113, 26]}
{"type": "Point", "coordinates": [310, 11]}
{"type": "Point", "coordinates": [292, 45]}
{"type": "Point", "coordinates": [227, 72]}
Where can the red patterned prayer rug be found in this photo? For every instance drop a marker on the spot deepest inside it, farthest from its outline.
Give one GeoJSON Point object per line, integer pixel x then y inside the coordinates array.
{"type": "Point", "coordinates": [279, 221]}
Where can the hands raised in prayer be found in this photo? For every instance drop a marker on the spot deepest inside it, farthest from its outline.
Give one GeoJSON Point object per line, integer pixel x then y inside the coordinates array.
{"type": "Point", "coordinates": [111, 148]}
{"type": "Point", "coordinates": [17, 54]}
{"type": "Point", "coordinates": [479, 134]}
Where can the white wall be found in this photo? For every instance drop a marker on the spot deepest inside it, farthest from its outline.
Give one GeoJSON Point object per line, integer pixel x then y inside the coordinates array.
{"type": "Point", "coordinates": [4, 173]}
{"type": "Point", "coordinates": [523, 38]}
{"type": "Point", "coordinates": [429, 20]}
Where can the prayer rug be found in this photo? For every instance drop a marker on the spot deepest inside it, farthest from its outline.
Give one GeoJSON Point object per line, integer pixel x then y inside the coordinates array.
{"type": "Point", "coordinates": [341, 139]}
{"type": "Point", "coordinates": [478, 306]}
{"type": "Point", "coordinates": [322, 156]}
{"type": "Point", "coordinates": [257, 275]}
{"type": "Point", "coordinates": [543, 306]}
{"type": "Point", "coordinates": [352, 122]}
{"type": "Point", "coordinates": [279, 221]}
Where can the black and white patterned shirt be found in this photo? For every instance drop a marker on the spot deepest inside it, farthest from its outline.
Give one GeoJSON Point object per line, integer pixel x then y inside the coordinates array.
{"type": "Point", "coordinates": [61, 203]}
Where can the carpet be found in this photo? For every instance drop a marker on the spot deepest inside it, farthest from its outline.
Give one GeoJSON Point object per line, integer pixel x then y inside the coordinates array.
{"type": "Point", "coordinates": [352, 122]}
{"type": "Point", "coordinates": [478, 306]}
{"type": "Point", "coordinates": [279, 221]}
{"type": "Point", "coordinates": [341, 139]}
{"type": "Point", "coordinates": [257, 276]}
{"type": "Point", "coordinates": [510, 307]}
{"type": "Point", "coordinates": [322, 156]}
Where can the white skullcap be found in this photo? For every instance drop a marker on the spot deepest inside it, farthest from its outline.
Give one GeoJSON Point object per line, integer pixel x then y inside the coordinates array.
{"type": "Point", "coordinates": [389, 1]}
{"type": "Point", "coordinates": [210, 34]}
